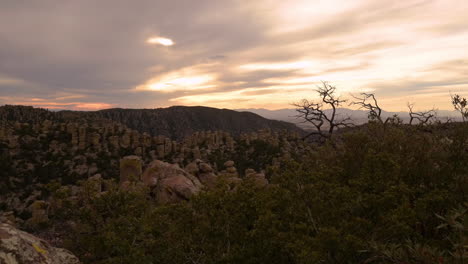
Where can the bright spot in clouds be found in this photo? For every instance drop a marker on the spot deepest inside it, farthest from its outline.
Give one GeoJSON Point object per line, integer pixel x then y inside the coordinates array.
{"type": "Point", "coordinates": [248, 98]}
{"type": "Point", "coordinates": [187, 79]}
{"type": "Point", "coordinates": [160, 41]}
{"type": "Point", "coordinates": [277, 66]}
{"type": "Point", "coordinates": [181, 83]}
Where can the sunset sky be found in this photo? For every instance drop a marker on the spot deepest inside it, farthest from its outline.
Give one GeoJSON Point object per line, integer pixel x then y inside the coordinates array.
{"type": "Point", "coordinates": [94, 54]}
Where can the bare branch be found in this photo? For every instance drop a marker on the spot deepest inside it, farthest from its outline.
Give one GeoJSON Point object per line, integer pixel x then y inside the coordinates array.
{"type": "Point", "coordinates": [315, 114]}
{"type": "Point", "coordinates": [424, 117]}
{"type": "Point", "coordinates": [375, 112]}
{"type": "Point", "coordinates": [346, 122]}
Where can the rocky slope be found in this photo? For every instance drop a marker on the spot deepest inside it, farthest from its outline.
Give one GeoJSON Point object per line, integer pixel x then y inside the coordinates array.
{"type": "Point", "coordinates": [18, 247]}
{"type": "Point", "coordinates": [48, 148]}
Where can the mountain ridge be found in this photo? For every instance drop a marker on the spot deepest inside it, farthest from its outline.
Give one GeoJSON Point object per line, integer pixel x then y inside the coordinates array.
{"type": "Point", "coordinates": [175, 122]}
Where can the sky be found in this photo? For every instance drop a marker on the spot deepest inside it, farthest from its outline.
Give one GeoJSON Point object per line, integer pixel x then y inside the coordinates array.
{"type": "Point", "coordinates": [89, 55]}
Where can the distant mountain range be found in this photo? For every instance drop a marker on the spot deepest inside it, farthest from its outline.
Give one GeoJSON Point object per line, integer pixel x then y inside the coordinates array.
{"type": "Point", "coordinates": [358, 116]}
{"type": "Point", "coordinates": [181, 121]}
{"type": "Point", "coordinates": [175, 122]}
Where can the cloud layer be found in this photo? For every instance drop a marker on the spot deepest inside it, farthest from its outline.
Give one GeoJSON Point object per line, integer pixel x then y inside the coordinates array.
{"type": "Point", "coordinates": [236, 54]}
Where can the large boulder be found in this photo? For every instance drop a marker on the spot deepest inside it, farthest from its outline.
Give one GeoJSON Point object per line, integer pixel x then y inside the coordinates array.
{"type": "Point", "coordinates": [230, 171]}
{"type": "Point", "coordinates": [230, 175]}
{"type": "Point", "coordinates": [18, 247]}
{"type": "Point", "coordinates": [204, 173]}
{"type": "Point", "coordinates": [8, 217]}
{"type": "Point", "coordinates": [169, 182]}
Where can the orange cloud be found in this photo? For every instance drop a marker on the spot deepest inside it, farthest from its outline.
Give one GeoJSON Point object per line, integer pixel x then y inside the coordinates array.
{"type": "Point", "coordinates": [55, 103]}
{"type": "Point", "coordinates": [92, 106]}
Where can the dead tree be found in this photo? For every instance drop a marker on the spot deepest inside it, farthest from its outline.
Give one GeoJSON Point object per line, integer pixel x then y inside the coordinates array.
{"type": "Point", "coordinates": [368, 102]}
{"type": "Point", "coordinates": [461, 105]}
{"type": "Point", "coordinates": [423, 117]}
{"type": "Point", "coordinates": [324, 121]}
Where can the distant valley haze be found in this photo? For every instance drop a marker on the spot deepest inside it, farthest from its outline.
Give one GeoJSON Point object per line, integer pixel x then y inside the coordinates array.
{"type": "Point", "coordinates": [358, 117]}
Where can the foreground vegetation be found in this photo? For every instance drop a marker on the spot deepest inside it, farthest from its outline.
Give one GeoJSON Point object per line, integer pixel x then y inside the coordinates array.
{"type": "Point", "coordinates": [383, 193]}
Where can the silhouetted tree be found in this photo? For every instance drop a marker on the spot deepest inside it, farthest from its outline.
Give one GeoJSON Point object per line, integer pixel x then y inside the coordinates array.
{"type": "Point", "coordinates": [423, 117]}
{"type": "Point", "coordinates": [316, 114]}
{"type": "Point", "coordinates": [460, 104]}
{"type": "Point", "coordinates": [368, 102]}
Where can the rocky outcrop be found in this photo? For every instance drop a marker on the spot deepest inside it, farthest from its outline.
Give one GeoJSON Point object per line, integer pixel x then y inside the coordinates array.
{"type": "Point", "coordinates": [18, 247]}
{"type": "Point", "coordinates": [230, 174]}
{"type": "Point", "coordinates": [230, 170]}
{"type": "Point", "coordinates": [8, 217]}
{"type": "Point", "coordinates": [204, 172]}
{"type": "Point", "coordinates": [39, 147]}
{"type": "Point", "coordinates": [169, 182]}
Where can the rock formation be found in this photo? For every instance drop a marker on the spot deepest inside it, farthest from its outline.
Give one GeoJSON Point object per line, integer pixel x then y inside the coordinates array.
{"type": "Point", "coordinates": [39, 147]}
{"type": "Point", "coordinates": [204, 172]}
{"type": "Point", "coordinates": [18, 247]}
{"type": "Point", "coordinates": [170, 183]}
{"type": "Point", "coordinates": [125, 140]}
{"type": "Point", "coordinates": [230, 174]}
{"type": "Point", "coordinates": [82, 138]}
{"type": "Point", "coordinates": [230, 169]}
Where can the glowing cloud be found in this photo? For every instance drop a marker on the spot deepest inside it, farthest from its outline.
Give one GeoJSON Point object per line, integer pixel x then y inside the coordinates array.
{"type": "Point", "coordinates": [246, 98]}
{"type": "Point", "coordinates": [297, 65]}
{"type": "Point", "coordinates": [92, 106]}
{"type": "Point", "coordinates": [187, 79]}
{"type": "Point", "coordinates": [160, 41]}
{"type": "Point", "coordinates": [56, 103]}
